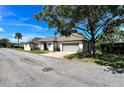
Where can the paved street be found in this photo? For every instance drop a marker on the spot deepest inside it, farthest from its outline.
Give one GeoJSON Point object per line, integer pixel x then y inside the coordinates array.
{"type": "Point", "coordinates": [20, 69]}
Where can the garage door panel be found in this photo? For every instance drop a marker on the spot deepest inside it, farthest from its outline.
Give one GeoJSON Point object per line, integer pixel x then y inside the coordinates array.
{"type": "Point", "coordinates": [70, 47]}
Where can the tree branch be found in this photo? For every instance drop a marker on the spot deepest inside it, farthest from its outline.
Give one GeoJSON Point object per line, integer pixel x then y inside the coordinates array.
{"type": "Point", "coordinates": [84, 31]}
{"type": "Point", "coordinates": [110, 19]}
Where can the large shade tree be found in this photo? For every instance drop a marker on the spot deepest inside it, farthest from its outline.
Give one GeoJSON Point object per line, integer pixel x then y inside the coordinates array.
{"type": "Point", "coordinates": [91, 21]}
{"type": "Point", "coordinates": [18, 36]}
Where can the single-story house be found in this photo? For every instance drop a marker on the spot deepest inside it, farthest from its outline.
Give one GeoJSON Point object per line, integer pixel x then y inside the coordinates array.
{"type": "Point", "coordinates": [31, 44]}
{"type": "Point", "coordinates": [74, 43]}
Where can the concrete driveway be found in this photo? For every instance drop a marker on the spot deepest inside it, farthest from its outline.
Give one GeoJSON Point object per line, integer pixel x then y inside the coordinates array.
{"type": "Point", "coordinates": [57, 54]}
{"type": "Point", "coordinates": [21, 69]}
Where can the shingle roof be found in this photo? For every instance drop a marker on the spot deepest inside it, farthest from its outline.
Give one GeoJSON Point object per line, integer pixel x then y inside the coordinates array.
{"type": "Point", "coordinates": [48, 39]}
{"type": "Point", "coordinates": [34, 40]}
{"type": "Point", "coordinates": [73, 37]}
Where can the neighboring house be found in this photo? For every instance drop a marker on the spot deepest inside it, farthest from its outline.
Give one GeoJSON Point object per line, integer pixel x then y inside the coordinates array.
{"type": "Point", "coordinates": [31, 44]}
{"type": "Point", "coordinates": [74, 43]}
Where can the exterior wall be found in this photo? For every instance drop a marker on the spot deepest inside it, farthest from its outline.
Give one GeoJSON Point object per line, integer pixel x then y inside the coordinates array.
{"type": "Point", "coordinates": [28, 47]}
{"type": "Point", "coordinates": [50, 46]}
{"type": "Point", "coordinates": [81, 46]}
{"type": "Point", "coordinates": [61, 47]}
{"type": "Point", "coordinates": [41, 46]}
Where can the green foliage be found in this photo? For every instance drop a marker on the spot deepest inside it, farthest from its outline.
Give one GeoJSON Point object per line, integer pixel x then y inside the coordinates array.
{"type": "Point", "coordinates": [4, 42]}
{"type": "Point", "coordinates": [10, 45]}
{"type": "Point", "coordinates": [83, 57]}
{"type": "Point", "coordinates": [18, 36]}
{"type": "Point", "coordinates": [92, 21]}
{"type": "Point", "coordinates": [33, 51]}
{"type": "Point", "coordinates": [107, 59]}
{"type": "Point", "coordinates": [114, 60]}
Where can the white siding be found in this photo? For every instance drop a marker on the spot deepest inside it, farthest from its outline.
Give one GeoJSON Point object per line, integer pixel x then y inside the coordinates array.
{"type": "Point", "coordinates": [41, 46]}
{"type": "Point", "coordinates": [60, 47]}
{"type": "Point", "coordinates": [50, 46]}
{"type": "Point", "coordinates": [29, 47]}
{"type": "Point", "coordinates": [81, 47]}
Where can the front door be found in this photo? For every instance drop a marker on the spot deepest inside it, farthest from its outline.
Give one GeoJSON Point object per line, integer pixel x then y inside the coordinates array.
{"type": "Point", "coordinates": [45, 46]}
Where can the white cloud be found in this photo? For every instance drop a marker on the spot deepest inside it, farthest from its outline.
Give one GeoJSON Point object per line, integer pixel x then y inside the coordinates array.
{"type": "Point", "coordinates": [1, 29]}
{"type": "Point", "coordinates": [33, 27]}
{"type": "Point", "coordinates": [24, 18]}
{"type": "Point", "coordinates": [26, 37]}
{"type": "Point", "coordinates": [7, 13]}
{"type": "Point", "coordinates": [1, 17]}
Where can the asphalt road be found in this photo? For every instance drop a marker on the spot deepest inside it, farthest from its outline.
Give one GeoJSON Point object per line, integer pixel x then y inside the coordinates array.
{"type": "Point", "coordinates": [20, 69]}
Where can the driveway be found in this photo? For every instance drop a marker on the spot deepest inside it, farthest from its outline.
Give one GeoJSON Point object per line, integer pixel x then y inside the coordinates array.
{"type": "Point", "coordinates": [57, 54]}
{"type": "Point", "coordinates": [20, 69]}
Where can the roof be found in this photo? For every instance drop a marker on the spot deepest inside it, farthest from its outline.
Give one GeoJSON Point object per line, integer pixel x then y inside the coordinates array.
{"type": "Point", "coordinates": [73, 37]}
{"type": "Point", "coordinates": [48, 39]}
{"type": "Point", "coordinates": [34, 40]}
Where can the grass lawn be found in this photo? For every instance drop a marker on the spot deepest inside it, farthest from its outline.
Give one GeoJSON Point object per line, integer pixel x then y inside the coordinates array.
{"type": "Point", "coordinates": [108, 59]}
{"type": "Point", "coordinates": [33, 51]}
{"type": "Point", "coordinates": [78, 56]}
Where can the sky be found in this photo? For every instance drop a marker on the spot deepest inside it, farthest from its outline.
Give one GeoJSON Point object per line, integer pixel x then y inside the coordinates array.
{"type": "Point", "coordinates": [19, 18]}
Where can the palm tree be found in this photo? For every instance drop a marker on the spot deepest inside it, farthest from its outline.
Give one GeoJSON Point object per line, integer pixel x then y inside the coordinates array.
{"type": "Point", "coordinates": [18, 36]}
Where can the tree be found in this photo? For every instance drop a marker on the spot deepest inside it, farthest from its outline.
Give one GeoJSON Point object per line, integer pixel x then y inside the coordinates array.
{"type": "Point", "coordinates": [4, 42]}
{"type": "Point", "coordinates": [116, 35]}
{"type": "Point", "coordinates": [91, 21]}
{"type": "Point", "coordinates": [18, 36]}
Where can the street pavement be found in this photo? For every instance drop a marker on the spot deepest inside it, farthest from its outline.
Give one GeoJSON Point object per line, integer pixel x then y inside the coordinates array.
{"type": "Point", "coordinates": [21, 69]}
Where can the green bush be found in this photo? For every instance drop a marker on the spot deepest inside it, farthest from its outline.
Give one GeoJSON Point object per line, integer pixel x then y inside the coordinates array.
{"type": "Point", "coordinates": [114, 60]}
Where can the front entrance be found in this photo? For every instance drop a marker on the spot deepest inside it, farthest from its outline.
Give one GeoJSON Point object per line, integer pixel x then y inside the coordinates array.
{"type": "Point", "coordinates": [45, 46]}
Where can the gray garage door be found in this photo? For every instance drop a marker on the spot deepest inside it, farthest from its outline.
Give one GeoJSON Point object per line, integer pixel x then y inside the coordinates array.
{"type": "Point", "coordinates": [70, 47]}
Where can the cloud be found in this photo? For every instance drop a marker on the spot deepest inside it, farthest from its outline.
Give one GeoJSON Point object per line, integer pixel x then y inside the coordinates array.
{"type": "Point", "coordinates": [1, 17]}
{"type": "Point", "coordinates": [25, 37]}
{"type": "Point", "coordinates": [1, 29]}
{"type": "Point", "coordinates": [7, 13]}
{"type": "Point", "coordinates": [24, 18]}
{"type": "Point", "coordinates": [33, 27]}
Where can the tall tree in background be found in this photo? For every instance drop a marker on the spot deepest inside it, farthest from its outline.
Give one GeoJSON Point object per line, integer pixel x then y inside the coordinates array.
{"type": "Point", "coordinates": [91, 21]}
{"type": "Point", "coordinates": [18, 36]}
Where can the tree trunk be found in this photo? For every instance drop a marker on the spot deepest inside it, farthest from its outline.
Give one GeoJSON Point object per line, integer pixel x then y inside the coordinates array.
{"type": "Point", "coordinates": [93, 44]}
{"type": "Point", "coordinates": [18, 42]}
{"type": "Point", "coordinates": [93, 47]}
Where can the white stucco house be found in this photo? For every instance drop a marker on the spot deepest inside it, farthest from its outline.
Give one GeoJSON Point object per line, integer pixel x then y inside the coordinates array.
{"type": "Point", "coordinates": [74, 43]}
{"type": "Point", "coordinates": [31, 44]}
